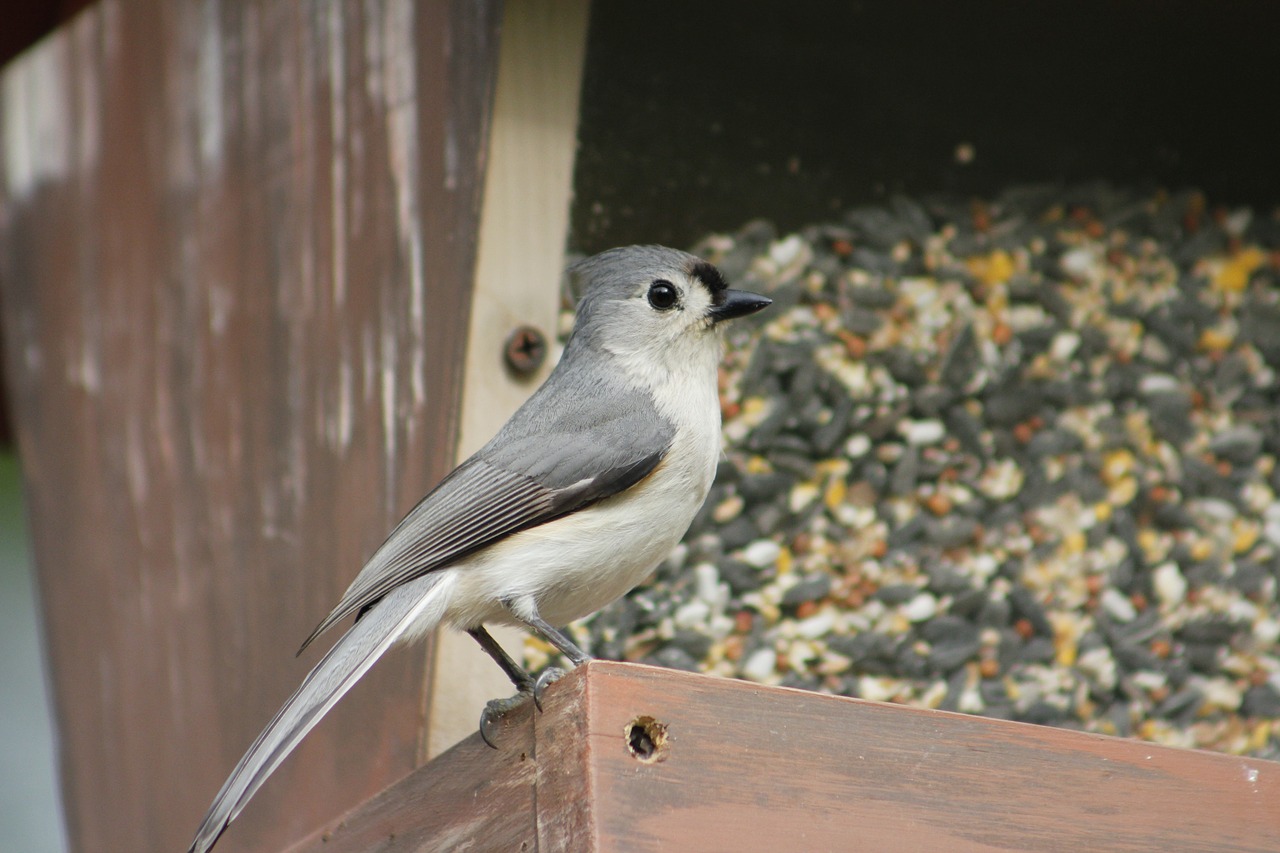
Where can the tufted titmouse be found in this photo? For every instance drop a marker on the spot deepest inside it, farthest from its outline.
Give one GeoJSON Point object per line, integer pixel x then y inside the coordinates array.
{"type": "Point", "coordinates": [577, 498]}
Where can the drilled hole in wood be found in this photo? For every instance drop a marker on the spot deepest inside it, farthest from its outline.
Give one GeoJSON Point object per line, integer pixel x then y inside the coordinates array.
{"type": "Point", "coordinates": [647, 739]}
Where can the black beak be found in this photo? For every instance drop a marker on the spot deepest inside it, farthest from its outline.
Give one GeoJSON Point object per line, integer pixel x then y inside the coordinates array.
{"type": "Point", "coordinates": [738, 303]}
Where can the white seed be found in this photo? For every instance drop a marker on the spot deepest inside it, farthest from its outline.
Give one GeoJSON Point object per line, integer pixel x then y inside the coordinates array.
{"type": "Point", "coordinates": [1118, 605]}
{"type": "Point", "coordinates": [761, 666]}
{"type": "Point", "coordinates": [1169, 584]}
{"type": "Point", "coordinates": [761, 553]}
{"type": "Point", "coordinates": [920, 608]}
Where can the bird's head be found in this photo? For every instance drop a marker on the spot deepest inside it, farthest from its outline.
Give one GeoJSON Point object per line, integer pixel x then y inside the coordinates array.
{"type": "Point", "coordinates": [655, 305]}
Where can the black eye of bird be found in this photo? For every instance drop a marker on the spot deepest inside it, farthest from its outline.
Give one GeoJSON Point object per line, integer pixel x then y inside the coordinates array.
{"type": "Point", "coordinates": [662, 294]}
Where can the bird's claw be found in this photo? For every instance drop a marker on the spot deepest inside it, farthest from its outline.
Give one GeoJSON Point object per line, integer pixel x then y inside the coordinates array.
{"type": "Point", "coordinates": [495, 709]}
{"type": "Point", "coordinates": [493, 712]}
{"type": "Point", "coordinates": [549, 676]}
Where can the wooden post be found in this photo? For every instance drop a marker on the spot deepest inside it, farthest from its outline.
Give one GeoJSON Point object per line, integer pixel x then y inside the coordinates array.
{"type": "Point", "coordinates": [237, 243]}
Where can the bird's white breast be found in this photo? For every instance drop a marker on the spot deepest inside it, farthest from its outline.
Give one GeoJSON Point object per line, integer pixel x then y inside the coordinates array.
{"type": "Point", "coordinates": [573, 566]}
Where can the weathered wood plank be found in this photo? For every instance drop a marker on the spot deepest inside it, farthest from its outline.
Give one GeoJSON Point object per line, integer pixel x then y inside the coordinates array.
{"type": "Point", "coordinates": [755, 768]}
{"type": "Point", "coordinates": [236, 247]}
{"type": "Point", "coordinates": [736, 766]}
{"type": "Point", "coordinates": [469, 798]}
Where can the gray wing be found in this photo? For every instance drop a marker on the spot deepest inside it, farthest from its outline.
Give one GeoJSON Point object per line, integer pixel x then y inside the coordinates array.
{"type": "Point", "coordinates": [558, 454]}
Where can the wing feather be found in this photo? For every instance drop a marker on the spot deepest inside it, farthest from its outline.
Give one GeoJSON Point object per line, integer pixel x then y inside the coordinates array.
{"type": "Point", "coordinates": [475, 506]}
{"type": "Point", "coordinates": [579, 439]}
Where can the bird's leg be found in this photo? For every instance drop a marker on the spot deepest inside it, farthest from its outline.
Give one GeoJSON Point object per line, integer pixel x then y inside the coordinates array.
{"type": "Point", "coordinates": [558, 639]}
{"type": "Point", "coordinates": [519, 677]}
{"type": "Point", "coordinates": [524, 683]}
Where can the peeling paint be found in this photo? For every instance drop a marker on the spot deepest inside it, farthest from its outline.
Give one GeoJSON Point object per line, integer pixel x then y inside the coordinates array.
{"type": "Point", "coordinates": [88, 94]}
{"type": "Point", "coordinates": [336, 417]}
{"type": "Point", "coordinates": [402, 133]}
{"type": "Point", "coordinates": [221, 302]}
{"type": "Point", "coordinates": [249, 94]}
{"type": "Point", "coordinates": [418, 377]}
{"type": "Point", "coordinates": [451, 158]}
{"type": "Point", "coordinates": [136, 463]}
{"type": "Point", "coordinates": [399, 51]}
{"type": "Point", "coordinates": [297, 470]}
{"type": "Point", "coordinates": [338, 159]}
{"type": "Point", "coordinates": [178, 117]}
{"type": "Point", "coordinates": [374, 70]}
{"type": "Point", "coordinates": [38, 129]}
{"type": "Point", "coordinates": [368, 364]}
{"type": "Point", "coordinates": [209, 84]}
{"type": "Point", "coordinates": [84, 371]}
{"type": "Point", "coordinates": [344, 416]}
{"type": "Point", "coordinates": [388, 375]}
{"type": "Point", "coordinates": [402, 136]}
{"type": "Point", "coordinates": [268, 509]}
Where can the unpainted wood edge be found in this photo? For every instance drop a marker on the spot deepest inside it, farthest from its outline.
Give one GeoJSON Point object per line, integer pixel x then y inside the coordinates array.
{"type": "Point", "coordinates": [564, 788]}
{"type": "Point", "coordinates": [523, 226]}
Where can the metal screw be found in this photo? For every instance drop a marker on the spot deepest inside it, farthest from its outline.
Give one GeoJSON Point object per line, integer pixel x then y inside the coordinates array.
{"type": "Point", "coordinates": [525, 350]}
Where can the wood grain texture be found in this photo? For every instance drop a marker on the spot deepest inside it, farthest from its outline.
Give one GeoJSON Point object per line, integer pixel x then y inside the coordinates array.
{"type": "Point", "coordinates": [756, 768]}
{"type": "Point", "coordinates": [469, 798]}
{"type": "Point", "coordinates": [751, 768]}
{"type": "Point", "coordinates": [236, 247]}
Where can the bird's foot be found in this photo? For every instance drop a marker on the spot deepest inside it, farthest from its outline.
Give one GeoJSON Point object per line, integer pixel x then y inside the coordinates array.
{"type": "Point", "coordinates": [493, 712]}
{"type": "Point", "coordinates": [495, 709]}
{"type": "Point", "coordinates": [549, 676]}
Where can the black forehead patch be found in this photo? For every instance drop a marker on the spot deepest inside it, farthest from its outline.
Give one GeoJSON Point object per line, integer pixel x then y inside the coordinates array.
{"type": "Point", "coordinates": [711, 279]}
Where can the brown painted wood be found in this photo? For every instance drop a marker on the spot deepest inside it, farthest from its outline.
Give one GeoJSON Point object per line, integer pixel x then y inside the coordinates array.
{"type": "Point", "coordinates": [751, 768]}
{"type": "Point", "coordinates": [25, 23]}
{"type": "Point", "coordinates": [755, 768]}
{"type": "Point", "coordinates": [236, 251]}
{"type": "Point", "coordinates": [470, 797]}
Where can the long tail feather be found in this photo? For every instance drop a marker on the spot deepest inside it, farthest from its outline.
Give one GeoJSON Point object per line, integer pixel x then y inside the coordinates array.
{"type": "Point", "coordinates": [335, 674]}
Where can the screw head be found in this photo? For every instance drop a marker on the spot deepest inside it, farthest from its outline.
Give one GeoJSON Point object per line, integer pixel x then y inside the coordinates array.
{"type": "Point", "coordinates": [525, 350]}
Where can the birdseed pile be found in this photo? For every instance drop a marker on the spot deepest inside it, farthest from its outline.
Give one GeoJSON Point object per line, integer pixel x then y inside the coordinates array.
{"type": "Point", "coordinates": [1013, 458]}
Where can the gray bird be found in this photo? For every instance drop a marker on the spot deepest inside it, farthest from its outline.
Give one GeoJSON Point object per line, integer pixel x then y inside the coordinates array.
{"type": "Point", "coordinates": [578, 497]}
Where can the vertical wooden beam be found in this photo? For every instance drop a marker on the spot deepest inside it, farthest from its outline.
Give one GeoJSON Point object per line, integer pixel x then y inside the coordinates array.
{"type": "Point", "coordinates": [236, 247]}
{"type": "Point", "coordinates": [523, 228]}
